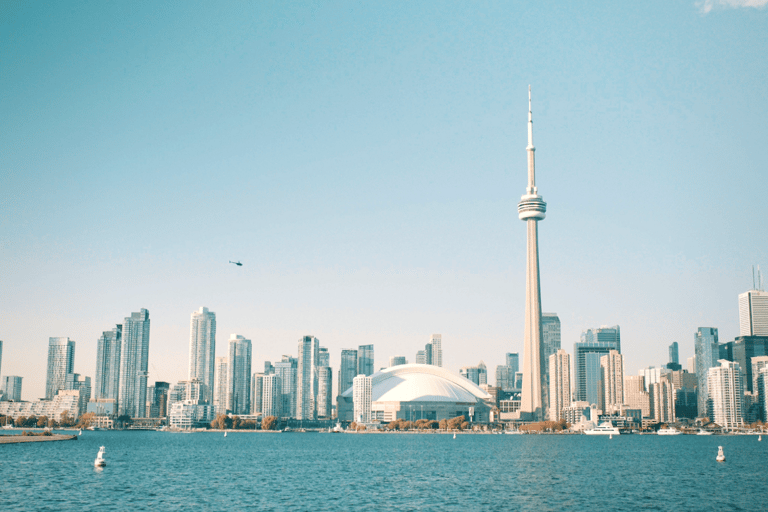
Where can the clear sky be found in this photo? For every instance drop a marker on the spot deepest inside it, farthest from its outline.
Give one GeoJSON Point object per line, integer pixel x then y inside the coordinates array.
{"type": "Point", "coordinates": [364, 161]}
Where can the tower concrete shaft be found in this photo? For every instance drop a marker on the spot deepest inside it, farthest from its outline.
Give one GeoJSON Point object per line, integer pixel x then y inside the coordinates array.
{"type": "Point", "coordinates": [532, 209]}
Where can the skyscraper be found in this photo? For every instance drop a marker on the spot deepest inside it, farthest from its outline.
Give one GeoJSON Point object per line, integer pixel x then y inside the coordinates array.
{"type": "Point", "coordinates": [348, 369]}
{"type": "Point", "coordinates": [594, 344]}
{"type": "Point", "coordinates": [221, 385]}
{"type": "Point", "coordinates": [324, 392]}
{"type": "Point", "coordinates": [257, 391]}
{"type": "Point", "coordinates": [365, 360]}
{"type": "Point", "coordinates": [707, 351]}
{"type": "Point", "coordinates": [361, 398]}
{"type": "Point", "coordinates": [743, 350]}
{"type": "Point", "coordinates": [532, 209]}
{"type": "Point", "coordinates": [753, 313]}
{"type": "Point", "coordinates": [202, 349]}
{"type": "Point", "coordinates": [612, 376]}
{"type": "Point", "coordinates": [513, 361]}
{"type": "Point", "coordinates": [726, 394]}
{"type": "Point", "coordinates": [635, 394]}
{"type": "Point", "coordinates": [306, 378]}
{"type": "Point", "coordinates": [559, 384]}
{"type": "Point", "coordinates": [287, 370]}
{"type": "Point", "coordinates": [435, 350]}
{"type": "Point", "coordinates": [421, 357]}
{"type": "Point", "coordinates": [12, 387]}
{"type": "Point", "coordinates": [674, 356]}
{"type": "Point", "coordinates": [108, 364]}
{"type": "Point", "coordinates": [134, 363]}
{"type": "Point", "coordinates": [61, 361]}
{"type": "Point", "coordinates": [397, 361]}
{"type": "Point", "coordinates": [550, 339]}
{"type": "Point", "coordinates": [271, 396]}
{"type": "Point", "coordinates": [323, 357]}
{"type": "Point", "coordinates": [239, 400]}
{"type": "Point", "coordinates": [662, 401]}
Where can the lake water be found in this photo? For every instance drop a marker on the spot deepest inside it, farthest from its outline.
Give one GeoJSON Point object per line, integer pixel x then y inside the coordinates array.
{"type": "Point", "coordinates": [264, 471]}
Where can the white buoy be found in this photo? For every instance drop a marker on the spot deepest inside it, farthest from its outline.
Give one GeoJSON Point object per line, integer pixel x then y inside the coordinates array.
{"type": "Point", "coordinates": [720, 455]}
{"type": "Point", "coordinates": [80, 432]}
{"type": "Point", "coordinates": [225, 434]}
{"type": "Point", "coordinates": [454, 435]}
{"type": "Point", "coordinates": [760, 437]}
{"type": "Point", "coordinates": [610, 436]}
{"type": "Point", "coordinates": [100, 462]}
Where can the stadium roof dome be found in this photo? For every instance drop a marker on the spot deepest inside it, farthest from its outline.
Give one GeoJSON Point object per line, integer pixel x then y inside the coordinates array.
{"type": "Point", "coordinates": [422, 383]}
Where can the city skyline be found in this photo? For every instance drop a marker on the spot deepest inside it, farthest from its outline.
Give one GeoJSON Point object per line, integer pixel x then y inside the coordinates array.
{"type": "Point", "coordinates": [360, 163]}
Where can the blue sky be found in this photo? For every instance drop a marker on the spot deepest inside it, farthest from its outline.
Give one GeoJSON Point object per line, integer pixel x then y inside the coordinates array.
{"type": "Point", "coordinates": [364, 161]}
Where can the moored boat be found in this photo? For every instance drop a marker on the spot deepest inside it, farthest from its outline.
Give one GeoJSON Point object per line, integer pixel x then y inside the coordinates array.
{"type": "Point", "coordinates": [606, 428]}
{"type": "Point", "coordinates": [669, 431]}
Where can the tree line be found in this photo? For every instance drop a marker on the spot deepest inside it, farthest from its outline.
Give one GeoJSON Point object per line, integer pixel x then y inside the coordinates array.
{"type": "Point", "coordinates": [224, 422]}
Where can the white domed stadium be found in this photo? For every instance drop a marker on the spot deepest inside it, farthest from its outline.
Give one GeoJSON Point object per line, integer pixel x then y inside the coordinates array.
{"type": "Point", "coordinates": [419, 391]}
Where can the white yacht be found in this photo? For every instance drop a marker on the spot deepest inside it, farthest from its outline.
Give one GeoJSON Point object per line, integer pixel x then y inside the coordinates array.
{"type": "Point", "coordinates": [606, 428]}
{"type": "Point", "coordinates": [703, 432]}
{"type": "Point", "coordinates": [669, 431]}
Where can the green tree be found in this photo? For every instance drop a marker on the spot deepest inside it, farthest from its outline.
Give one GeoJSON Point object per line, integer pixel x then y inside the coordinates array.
{"type": "Point", "coordinates": [269, 423]}
{"type": "Point", "coordinates": [42, 421]}
{"type": "Point", "coordinates": [236, 422]}
{"type": "Point", "coordinates": [31, 421]}
{"type": "Point", "coordinates": [443, 424]}
{"type": "Point", "coordinates": [20, 421]}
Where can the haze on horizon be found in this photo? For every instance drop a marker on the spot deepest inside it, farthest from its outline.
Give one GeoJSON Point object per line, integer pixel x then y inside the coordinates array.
{"type": "Point", "coordinates": [364, 163]}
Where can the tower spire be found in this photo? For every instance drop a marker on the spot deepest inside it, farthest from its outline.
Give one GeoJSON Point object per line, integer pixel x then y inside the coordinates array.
{"type": "Point", "coordinates": [532, 209]}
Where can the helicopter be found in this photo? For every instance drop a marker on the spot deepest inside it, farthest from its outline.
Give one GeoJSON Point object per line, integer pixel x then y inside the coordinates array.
{"type": "Point", "coordinates": [237, 263]}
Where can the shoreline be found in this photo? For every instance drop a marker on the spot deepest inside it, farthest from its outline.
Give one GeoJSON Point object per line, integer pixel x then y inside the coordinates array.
{"type": "Point", "coordinates": [18, 438]}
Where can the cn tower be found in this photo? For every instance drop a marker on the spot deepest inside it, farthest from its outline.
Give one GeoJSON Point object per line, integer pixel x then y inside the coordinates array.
{"type": "Point", "coordinates": [532, 209]}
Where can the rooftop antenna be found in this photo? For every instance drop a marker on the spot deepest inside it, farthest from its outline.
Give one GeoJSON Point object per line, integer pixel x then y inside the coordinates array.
{"type": "Point", "coordinates": [753, 278]}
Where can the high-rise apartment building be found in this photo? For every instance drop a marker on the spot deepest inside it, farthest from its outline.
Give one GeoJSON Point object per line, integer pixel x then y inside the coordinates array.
{"type": "Point", "coordinates": [159, 400]}
{"type": "Point", "coordinates": [202, 349]}
{"type": "Point", "coordinates": [306, 378]}
{"type": "Point", "coordinates": [421, 357]}
{"type": "Point", "coordinates": [753, 313]}
{"type": "Point", "coordinates": [436, 349]}
{"type": "Point", "coordinates": [272, 396]}
{"type": "Point", "coordinates": [653, 375]}
{"type": "Point", "coordinates": [365, 360]}
{"type": "Point", "coordinates": [107, 385]}
{"type": "Point", "coordinates": [239, 399]}
{"type": "Point", "coordinates": [348, 369]}
{"type": "Point", "coordinates": [324, 392]}
{"type": "Point", "coordinates": [550, 343]}
{"type": "Point", "coordinates": [726, 394]}
{"type": "Point", "coordinates": [361, 398]}
{"type": "Point", "coordinates": [612, 377]}
{"type": "Point", "coordinates": [61, 361]}
{"type": "Point", "coordinates": [635, 395]}
{"type": "Point", "coordinates": [221, 385]}
{"type": "Point", "coordinates": [257, 391]}
{"type": "Point", "coordinates": [287, 370]}
{"type": "Point", "coordinates": [134, 364]}
{"type": "Point", "coordinates": [594, 344]}
{"type": "Point", "coordinates": [707, 352]}
{"type": "Point", "coordinates": [559, 369]}
{"type": "Point", "coordinates": [12, 387]}
{"type": "Point", "coordinates": [323, 357]}
{"type": "Point", "coordinates": [662, 400]}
